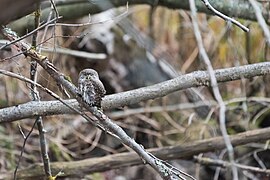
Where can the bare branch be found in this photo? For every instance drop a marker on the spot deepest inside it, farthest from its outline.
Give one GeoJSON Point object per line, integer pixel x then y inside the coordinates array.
{"type": "Point", "coordinates": [194, 79]}
{"type": "Point", "coordinates": [223, 16]}
{"type": "Point", "coordinates": [225, 164]}
{"type": "Point", "coordinates": [240, 9]}
{"type": "Point", "coordinates": [214, 85]}
{"type": "Point", "coordinates": [36, 97]}
{"type": "Point", "coordinates": [164, 171]}
{"type": "Point", "coordinates": [23, 148]}
{"type": "Point", "coordinates": [183, 151]}
{"type": "Point", "coordinates": [99, 56]}
{"type": "Point", "coordinates": [29, 34]}
{"type": "Point", "coordinates": [261, 20]}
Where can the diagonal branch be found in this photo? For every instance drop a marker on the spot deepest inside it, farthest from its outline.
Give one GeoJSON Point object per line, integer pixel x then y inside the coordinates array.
{"type": "Point", "coordinates": [223, 16]}
{"type": "Point", "coordinates": [163, 169]}
{"type": "Point", "coordinates": [261, 20]}
{"type": "Point", "coordinates": [214, 84]}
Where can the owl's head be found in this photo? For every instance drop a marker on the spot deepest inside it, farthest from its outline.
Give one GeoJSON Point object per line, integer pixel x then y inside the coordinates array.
{"type": "Point", "coordinates": [88, 74]}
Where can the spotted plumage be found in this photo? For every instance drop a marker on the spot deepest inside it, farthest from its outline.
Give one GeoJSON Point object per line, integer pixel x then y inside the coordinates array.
{"type": "Point", "coordinates": [90, 87]}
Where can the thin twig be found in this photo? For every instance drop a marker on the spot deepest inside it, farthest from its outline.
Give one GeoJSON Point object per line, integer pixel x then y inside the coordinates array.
{"type": "Point", "coordinates": [225, 164]}
{"type": "Point", "coordinates": [23, 148]}
{"type": "Point", "coordinates": [261, 20]}
{"type": "Point", "coordinates": [35, 97]}
{"type": "Point", "coordinates": [54, 8]}
{"type": "Point", "coordinates": [91, 56]}
{"type": "Point", "coordinates": [218, 97]}
{"type": "Point", "coordinates": [223, 16]}
{"type": "Point", "coordinates": [29, 34]}
{"type": "Point", "coordinates": [114, 19]}
{"type": "Point", "coordinates": [46, 28]}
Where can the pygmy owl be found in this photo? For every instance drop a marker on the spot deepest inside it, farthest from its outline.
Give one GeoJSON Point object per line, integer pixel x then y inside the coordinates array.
{"type": "Point", "coordinates": [90, 87]}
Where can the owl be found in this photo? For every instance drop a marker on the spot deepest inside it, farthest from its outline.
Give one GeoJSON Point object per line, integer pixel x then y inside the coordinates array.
{"type": "Point", "coordinates": [90, 87]}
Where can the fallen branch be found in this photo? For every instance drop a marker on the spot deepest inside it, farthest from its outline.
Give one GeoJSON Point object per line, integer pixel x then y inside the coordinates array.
{"type": "Point", "coordinates": [184, 151]}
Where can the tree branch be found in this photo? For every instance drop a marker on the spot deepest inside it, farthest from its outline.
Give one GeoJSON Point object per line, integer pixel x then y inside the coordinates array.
{"type": "Point", "coordinates": [225, 164]}
{"type": "Point", "coordinates": [184, 151]}
{"type": "Point", "coordinates": [13, 9]}
{"type": "Point", "coordinates": [69, 10]}
{"type": "Point", "coordinates": [164, 170]}
{"type": "Point", "coordinates": [194, 79]}
{"type": "Point", "coordinates": [213, 81]}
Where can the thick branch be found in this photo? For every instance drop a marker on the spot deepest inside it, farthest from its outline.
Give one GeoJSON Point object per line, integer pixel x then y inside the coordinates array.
{"type": "Point", "coordinates": [184, 151]}
{"type": "Point", "coordinates": [69, 10]}
{"type": "Point", "coordinates": [195, 79]}
{"type": "Point", "coordinates": [14, 9]}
